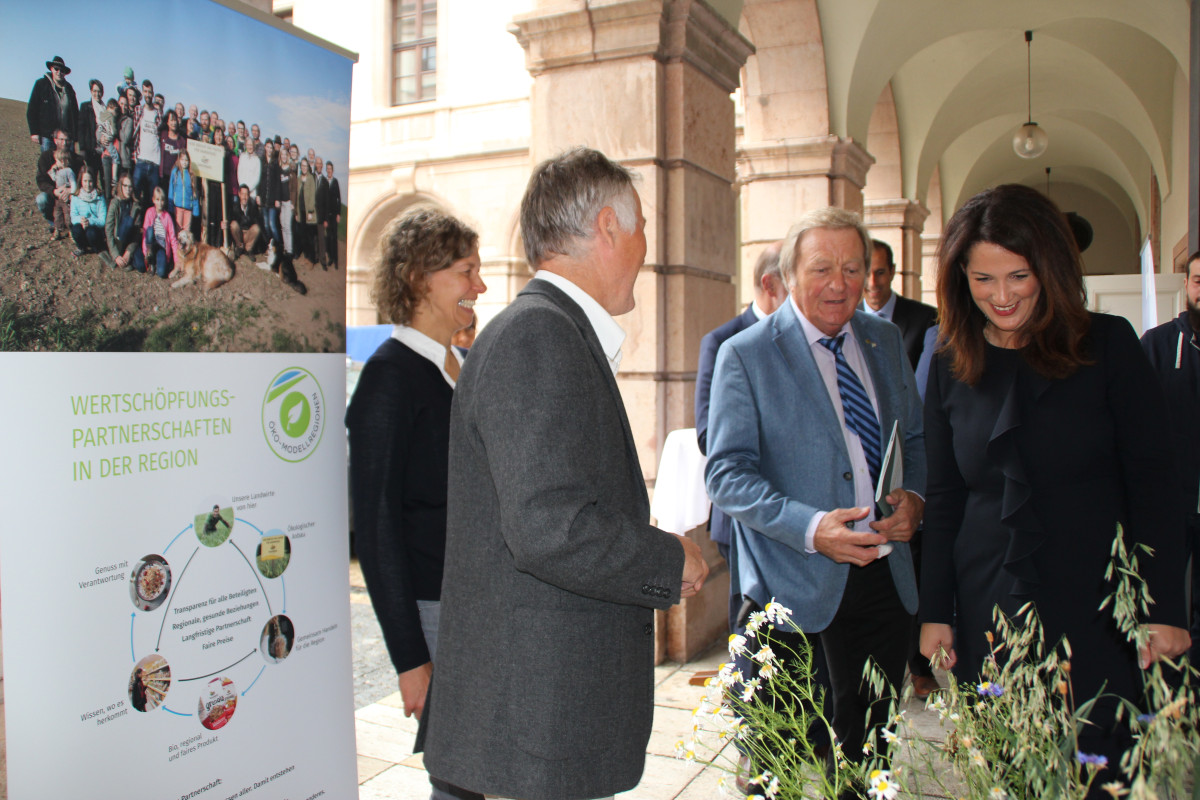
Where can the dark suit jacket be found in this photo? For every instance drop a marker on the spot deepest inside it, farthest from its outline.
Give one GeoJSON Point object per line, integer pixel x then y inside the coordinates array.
{"type": "Point", "coordinates": [1175, 355]}
{"type": "Point", "coordinates": [719, 523]}
{"type": "Point", "coordinates": [913, 319]}
{"type": "Point", "coordinates": [545, 664]}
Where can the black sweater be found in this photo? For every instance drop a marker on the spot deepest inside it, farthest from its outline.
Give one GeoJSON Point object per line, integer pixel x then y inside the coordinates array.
{"type": "Point", "coordinates": [399, 424]}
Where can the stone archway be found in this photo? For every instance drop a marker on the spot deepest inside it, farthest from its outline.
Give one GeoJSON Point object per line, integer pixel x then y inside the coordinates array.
{"type": "Point", "coordinates": [363, 251]}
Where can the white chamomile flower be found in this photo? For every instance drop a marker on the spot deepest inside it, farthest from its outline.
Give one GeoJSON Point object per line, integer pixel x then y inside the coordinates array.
{"type": "Point", "coordinates": [767, 672]}
{"type": "Point", "coordinates": [889, 736]}
{"type": "Point", "coordinates": [685, 750]}
{"type": "Point", "coordinates": [997, 794]}
{"type": "Point", "coordinates": [765, 655]}
{"type": "Point", "coordinates": [755, 621]}
{"type": "Point", "coordinates": [977, 757]}
{"type": "Point", "coordinates": [777, 613]}
{"type": "Point", "coordinates": [749, 688]}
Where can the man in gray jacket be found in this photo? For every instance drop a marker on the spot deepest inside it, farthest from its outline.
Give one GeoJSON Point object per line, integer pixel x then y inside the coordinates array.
{"type": "Point", "coordinates": [544, 682]}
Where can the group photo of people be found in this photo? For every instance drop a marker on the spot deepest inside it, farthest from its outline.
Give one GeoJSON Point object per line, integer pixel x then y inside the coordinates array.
{"type": "Point", "coordinates": [116, 175]}
{"type": "Point", "coordinates": [166, 210]}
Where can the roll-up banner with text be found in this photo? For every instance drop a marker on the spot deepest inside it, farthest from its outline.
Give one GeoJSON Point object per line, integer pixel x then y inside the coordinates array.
{"type": "Point", "coordinates": [174, 544]}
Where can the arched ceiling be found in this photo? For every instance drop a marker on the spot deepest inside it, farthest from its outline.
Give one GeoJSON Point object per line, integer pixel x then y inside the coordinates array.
{"type": "Point", "coordinates": [1104, 80]}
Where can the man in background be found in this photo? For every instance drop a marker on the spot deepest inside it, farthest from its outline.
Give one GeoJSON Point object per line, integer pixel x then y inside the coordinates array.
{"type": "Point", "coordinates": [769, 294]}
{"type": "Point", "coordinates": [1174, 351]}
{"type": "Point", "coordinates": [910, 316]}
{"type": "Point", "coordinates": [52, 105]}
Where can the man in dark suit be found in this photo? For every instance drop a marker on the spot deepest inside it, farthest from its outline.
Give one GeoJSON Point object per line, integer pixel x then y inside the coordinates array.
{"type": "Point", "coordinates": [333, 214]}
{"type": "Point", "coordinates": [801, 406]}
{"type": "Point", "coordinates": [769, 294]}
{"type": "Point", "coordinates": [544, 682]}
{"type": "Point", "coordinates": [1174, 351]}
{"type": "Point", "coordinates": [322, 213]}
{"type": "Point", "coordinates": [910, 316]}
{"type": "Point", "coordinates": [914, 319]}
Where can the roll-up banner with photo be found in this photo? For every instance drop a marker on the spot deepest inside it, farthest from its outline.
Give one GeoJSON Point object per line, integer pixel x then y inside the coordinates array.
{"type": "Point", "coordinates": [174, 544]}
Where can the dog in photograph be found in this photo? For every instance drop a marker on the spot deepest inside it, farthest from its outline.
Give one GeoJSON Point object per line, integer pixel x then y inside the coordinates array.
{"type": "Point", "coordinates": [201, 263]}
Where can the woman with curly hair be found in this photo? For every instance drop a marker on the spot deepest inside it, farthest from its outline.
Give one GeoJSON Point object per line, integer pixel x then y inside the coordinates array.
{"type": "Point", "coordinates": [399, 422]}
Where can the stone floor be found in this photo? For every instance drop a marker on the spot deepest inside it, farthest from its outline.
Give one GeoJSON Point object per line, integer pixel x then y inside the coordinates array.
{"type": "Point", "coordinates": [387, 769]}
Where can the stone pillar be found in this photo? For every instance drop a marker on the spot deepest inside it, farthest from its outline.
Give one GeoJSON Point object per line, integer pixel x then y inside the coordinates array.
{"type": "Point", "coordinates": [782, 180]}
{"type": "Point", "coordinates": [648, 82]}
{"type": "Point", "coordinates": [899, 222]}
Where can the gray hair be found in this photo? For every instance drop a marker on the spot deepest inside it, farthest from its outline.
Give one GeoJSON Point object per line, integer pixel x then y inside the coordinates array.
{"type": "Point", "coordinates": [828, 217]}
{"type": "Point", "coordinates": [564, 195]}
{"type": "Point", "coordinates": [768, 263]}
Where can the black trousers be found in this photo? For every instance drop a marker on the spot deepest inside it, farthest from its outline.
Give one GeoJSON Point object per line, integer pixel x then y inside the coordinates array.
{"type": "Point", "coordinates": [870, 623]}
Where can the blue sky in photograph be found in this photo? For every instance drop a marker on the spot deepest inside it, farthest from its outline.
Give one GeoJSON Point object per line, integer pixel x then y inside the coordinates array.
{"type": "Point", "coordinates": [195, 52]}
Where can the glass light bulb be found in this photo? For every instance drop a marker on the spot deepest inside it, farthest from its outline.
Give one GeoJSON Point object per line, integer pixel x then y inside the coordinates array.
{"type": "Point", "coordinates": [1030, 141]}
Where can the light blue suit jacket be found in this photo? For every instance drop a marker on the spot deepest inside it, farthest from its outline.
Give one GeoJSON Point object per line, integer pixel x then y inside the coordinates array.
{"type": "Point", "coordinates": [776, 457]}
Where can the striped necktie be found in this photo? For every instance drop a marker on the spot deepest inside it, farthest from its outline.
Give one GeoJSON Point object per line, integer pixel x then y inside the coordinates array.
{"type": "Point", "coordinates": [856, 407]}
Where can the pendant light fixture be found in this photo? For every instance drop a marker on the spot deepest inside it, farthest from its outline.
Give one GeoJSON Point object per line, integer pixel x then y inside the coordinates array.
{"type": "Point", "coordinates": [1030, 141]}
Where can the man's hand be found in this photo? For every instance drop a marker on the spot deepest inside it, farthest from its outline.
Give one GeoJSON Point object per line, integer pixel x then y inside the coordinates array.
{"type": "Point", "coordinates": [937, 637]}
{"type": "Point", "coordinates": [833, 539]}
{"type": "Point", "coordinates": [695, 568]}
{"type": "Point", "coordinates": [36, 139]}
{"type": "Point", "coordinates": [1166, 641]}
{"type": "Point", "coordinates": [414, 688]}
{"type": "Point", "coordinates": [905, 520]}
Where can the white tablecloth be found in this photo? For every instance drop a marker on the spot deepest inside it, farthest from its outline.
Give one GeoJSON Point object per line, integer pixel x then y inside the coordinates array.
{"type": "Point", "coordinates": [680, 500]}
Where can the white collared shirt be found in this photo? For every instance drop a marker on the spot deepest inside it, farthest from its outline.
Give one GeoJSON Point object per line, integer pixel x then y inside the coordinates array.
{"type": "Point", "coordinates": [610, 334]}
{"type": "Point", "coordinates": [864, 489]}
{"type": "Point", "coordinates": [759, 314]}
{"type": "Point", "coordinates": [886, 311]}
{"type": "Point", "coordinates": [425, 347]}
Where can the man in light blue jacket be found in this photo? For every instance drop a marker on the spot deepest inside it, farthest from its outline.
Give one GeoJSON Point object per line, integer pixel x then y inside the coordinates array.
{"type": "Point", "coordinates": [802, 408]}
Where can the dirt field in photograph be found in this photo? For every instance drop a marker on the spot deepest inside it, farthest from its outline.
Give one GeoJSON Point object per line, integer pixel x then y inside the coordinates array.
{"type": "Point", "coordinates": [51, 301]}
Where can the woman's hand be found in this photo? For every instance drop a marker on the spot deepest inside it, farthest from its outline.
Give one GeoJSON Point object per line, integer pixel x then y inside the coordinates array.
{"type": "Point", "coordinates": [936, 638]}
{"type": "Point", "coordinates": [1166, 641]}
{"type": "Point", "coordinates": [414, 688]}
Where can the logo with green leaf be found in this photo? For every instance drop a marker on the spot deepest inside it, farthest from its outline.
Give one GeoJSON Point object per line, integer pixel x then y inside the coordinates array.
{"type": "Point", "coordinates": [293, 414]}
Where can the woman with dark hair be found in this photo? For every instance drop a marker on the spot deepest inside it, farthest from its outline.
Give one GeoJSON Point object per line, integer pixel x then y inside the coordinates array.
{"type": "Point", "coordinates": [306, 214]}
{"type": "Point", "coordinates": [216, 199]}
{"type": "Point", "coordinates": [126, 131]}
{"type": "Point", "coordinates": [173, 142]}
{"type": "Point", "coordinates": [88, 134]}
{"type": "Point", "coordinates": [271, 191]}
{"type": "Point", "coordinates": [123, 228]}
{"type": "Point", "coordinates": [399, 424]}
{"type": "Point", "coordinates": [1044, 429]}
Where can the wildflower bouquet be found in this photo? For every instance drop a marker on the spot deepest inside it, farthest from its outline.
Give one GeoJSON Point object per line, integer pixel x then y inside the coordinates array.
{"type": "Point", "coordinates": [775, 718]}
{"type": "Point", "coordinates": [1012, 736]}
{"type": "Point", "coordinates": [1015, 734]}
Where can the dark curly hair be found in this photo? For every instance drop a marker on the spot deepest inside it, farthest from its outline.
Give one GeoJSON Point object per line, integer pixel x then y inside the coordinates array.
{"type": "Point", "coordinates": [415, 245]}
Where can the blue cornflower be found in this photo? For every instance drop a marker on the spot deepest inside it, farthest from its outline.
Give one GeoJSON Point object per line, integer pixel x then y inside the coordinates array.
{"type": "Point", "coordinates": [1088, 758]}
{"type": "Point", "coordinates": [989, 689]}
{"type": "Point", "coordinates": [1145, 719]}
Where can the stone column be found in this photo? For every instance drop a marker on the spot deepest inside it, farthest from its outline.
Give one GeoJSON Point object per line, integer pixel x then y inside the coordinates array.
{"type": "Point", "coordinates": [783, 179]}
{"type": "Point", "coordinates": [648, 82]}
{"type": "Point", "coordinates": [900, 222]}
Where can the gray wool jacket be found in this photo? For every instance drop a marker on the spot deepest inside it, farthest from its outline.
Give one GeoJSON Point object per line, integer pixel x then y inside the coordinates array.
{"type": "Point", "coordinates": [543, 688]}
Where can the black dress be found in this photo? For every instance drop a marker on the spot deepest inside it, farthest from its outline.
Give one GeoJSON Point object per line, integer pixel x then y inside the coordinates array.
{"type": "Point", "coordinates": [1028, 478]}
